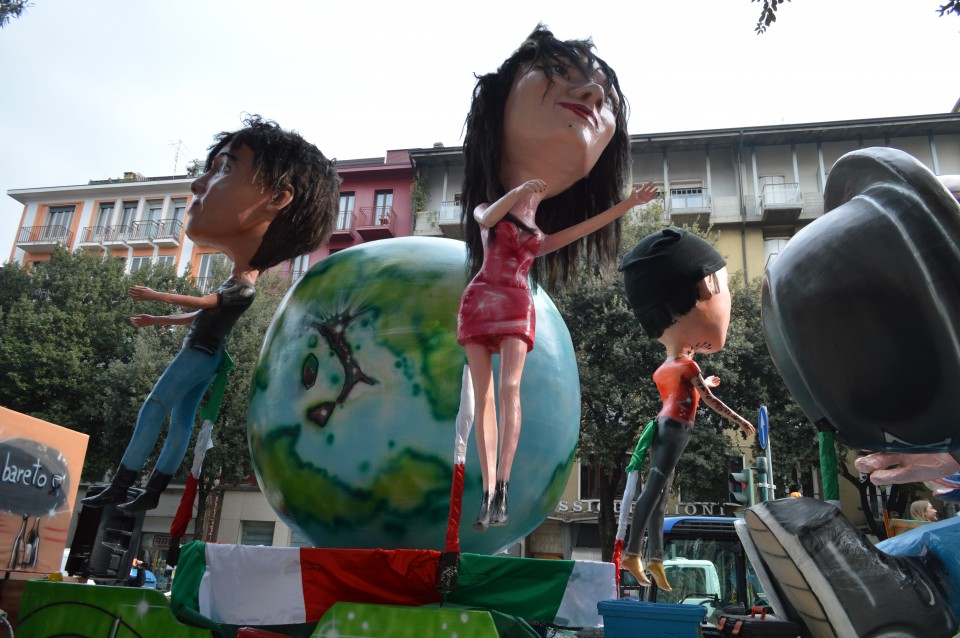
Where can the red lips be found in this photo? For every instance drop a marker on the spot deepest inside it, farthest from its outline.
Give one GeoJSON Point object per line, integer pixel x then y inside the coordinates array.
{"type": "Point", "coordinates": [581, 110]}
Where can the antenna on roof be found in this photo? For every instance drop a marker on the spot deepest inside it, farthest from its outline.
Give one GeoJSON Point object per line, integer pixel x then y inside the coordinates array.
{"type": "Point", "coordinates": [176, 154]}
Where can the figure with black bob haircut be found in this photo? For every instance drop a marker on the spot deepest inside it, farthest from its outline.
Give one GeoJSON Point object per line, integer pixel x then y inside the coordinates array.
{"type": "Point", "coordinates": [266, 196]}
{"type": "Point", "coordinates": [545, 151]}
{"type": "Point", "coordinates": [677, 285]}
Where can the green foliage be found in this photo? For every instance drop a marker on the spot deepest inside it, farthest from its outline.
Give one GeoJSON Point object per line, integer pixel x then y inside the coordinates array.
{"type": "Point", "coordinates": [419, 194]}
{"type": "Point", "coordinates": [12, 9]}
{"type": "Point", "coordinates": [768, 14]}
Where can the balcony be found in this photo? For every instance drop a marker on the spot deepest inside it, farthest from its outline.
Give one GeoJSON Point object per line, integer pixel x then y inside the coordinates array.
{"type": "Point", "coordinates": [94, 236]}
{"type": "Point", "coordinates": [689, 206]}
{"type": "Point", "coordinates": [781, 204]}
{"type": "Point", "coordinates": [344, 229]}
{"type": "Point", "coordinates": [377, 222]}
{"type": "Point", "coordinates": [116, 236]}
{"type": "Point", "coordinates": [168, 233]}
{"type": "Point", "coordinates": [142, 233]}
{"type": "Point", "coordinates": [43, 239]}
{"type": "Point", "coordinates": [448, 218]}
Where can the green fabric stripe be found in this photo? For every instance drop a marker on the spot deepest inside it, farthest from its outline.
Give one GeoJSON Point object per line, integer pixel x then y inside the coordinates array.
{"type": "Point", "coordinates": [186, 584]}
{"type": "Point", "coordinates": [530, 588]}
{"type": "Point", "coordinates": [643, 444]}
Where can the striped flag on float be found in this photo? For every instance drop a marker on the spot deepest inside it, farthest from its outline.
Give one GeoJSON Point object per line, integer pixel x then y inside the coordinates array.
{"type": "Point", "coordinates": [244, 585]}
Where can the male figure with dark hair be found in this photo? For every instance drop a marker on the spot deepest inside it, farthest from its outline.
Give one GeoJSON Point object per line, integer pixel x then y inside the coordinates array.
{"type": "Point", "coordinates": [267, 195]}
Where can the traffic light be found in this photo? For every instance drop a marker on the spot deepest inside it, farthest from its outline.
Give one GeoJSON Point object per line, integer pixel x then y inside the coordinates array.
{"type": "Point", "coordinates": [740, 483]}
{"type": "Point", "coordinates": [762, 479]}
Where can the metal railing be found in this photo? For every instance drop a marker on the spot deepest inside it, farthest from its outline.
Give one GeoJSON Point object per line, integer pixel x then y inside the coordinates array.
{"type": "Point", "coordinates": [688, 201]}
{"type": "Point", "coordinates": [95, 234]}
{"type": "Point", "coordinates": [378, 216]}
{"type": "Point", "coordinates": [146, 230]}
{"type": "Point", "coordinates": [449, 213]}
{"type": "Point", "coordinates": [169, 229]}
{"type": "Point", "coordinates": [45, 234]}
{"type": "Point", "coordinates": [780, 195]}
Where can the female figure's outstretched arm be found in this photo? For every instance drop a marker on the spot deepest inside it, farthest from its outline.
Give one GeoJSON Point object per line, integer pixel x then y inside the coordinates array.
{"type": "Point", "coordinates": [638, 196]}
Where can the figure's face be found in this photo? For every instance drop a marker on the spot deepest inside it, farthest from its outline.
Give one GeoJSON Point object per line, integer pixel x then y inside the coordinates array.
{"type": "Point", "coordinates": [704, 328]}
{"type": "Point", "coordinates": [229, 207]}
{"type": "Point", "coordinates": [930, 514]}
{"type": "Point", "coordinates": [560, 128]}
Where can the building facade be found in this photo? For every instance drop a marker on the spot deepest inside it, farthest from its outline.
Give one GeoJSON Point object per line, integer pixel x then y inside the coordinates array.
{"type": "Point", "coordinates": [141, 219]}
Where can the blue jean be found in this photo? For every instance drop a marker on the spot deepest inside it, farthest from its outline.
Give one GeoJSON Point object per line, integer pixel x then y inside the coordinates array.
{"type": "Point", "coordinates": [178, 393]}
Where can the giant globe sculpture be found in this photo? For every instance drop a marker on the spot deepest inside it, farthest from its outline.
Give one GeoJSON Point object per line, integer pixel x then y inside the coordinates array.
{"type": "Point", "coordinates": [355, 396]}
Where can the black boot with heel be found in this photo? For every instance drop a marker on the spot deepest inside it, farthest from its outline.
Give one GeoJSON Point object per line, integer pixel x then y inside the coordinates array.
{"type": "Point", "coordinates": [151, 494]}
{"type": "Point", "coordinates": [116, 492]}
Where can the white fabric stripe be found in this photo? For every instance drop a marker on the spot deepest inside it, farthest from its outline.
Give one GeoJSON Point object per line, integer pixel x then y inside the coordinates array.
{"type": "Point", "coordinates": [590, 582]}
{"type": "Point", "coordinates": [246, 585]}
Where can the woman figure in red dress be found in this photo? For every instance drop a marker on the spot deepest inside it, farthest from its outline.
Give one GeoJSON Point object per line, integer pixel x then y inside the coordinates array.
{"type": "Point", "coordinates": [546, 148]}
{"type": "Point", "coordinates": [677, 285]}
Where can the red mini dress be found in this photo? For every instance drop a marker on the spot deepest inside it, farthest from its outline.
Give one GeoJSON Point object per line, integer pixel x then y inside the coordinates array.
{"type": "Point", "coordinates": [497, 303]}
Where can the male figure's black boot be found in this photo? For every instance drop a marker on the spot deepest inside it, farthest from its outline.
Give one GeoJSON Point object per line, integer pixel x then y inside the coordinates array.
{"type": "Point", "coordinates": [499, 515]}
{"type": "Point", "coordinates": [483, 517]}
{"type": "Point", "coordinates": [151, 494]}
{"type": "Point", "coordinates": [116, 492]}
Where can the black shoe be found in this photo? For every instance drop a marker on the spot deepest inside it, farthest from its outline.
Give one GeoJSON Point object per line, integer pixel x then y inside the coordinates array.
{"type": "Point", "coordinates": [483, 518]}
{"type": "Point", "coordinates": [151, 494]}
{"type": "Point", "coordinates": [116, 492]}
{"type": "Point", "coordinates": [499, 515]}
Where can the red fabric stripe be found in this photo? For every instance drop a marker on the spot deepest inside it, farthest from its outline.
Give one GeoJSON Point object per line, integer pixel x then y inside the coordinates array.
{"type": "Point", "coordinates": [185, 510]}
{"type": "Point", "coordinates": [456, 505]}
{"type": "Point", "coordinates": [378, 576]}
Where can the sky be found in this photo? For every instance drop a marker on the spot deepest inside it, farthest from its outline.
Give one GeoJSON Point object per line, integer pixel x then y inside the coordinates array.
{"type": "Point", "coordinates": [93, 89]}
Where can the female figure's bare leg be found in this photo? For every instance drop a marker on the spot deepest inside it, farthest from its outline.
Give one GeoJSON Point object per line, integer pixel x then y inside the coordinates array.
{"type": "Point", "coordinates": [513, 354]}
{"type": "Point", "coordinates": [485, 424]}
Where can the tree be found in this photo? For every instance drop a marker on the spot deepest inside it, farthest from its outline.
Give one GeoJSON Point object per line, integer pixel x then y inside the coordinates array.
{"type": "Point", "coordinates": [62, 325]}
{"type": "Point", "coordinates": [768, 14]}
{"type": "Point", "coordinates": [12, 9]}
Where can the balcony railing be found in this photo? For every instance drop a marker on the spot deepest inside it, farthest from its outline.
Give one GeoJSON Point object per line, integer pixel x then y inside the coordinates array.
{"type": "Point", "coordinates": [95, 234]}
{"type": "Point", "coordinates": [116, 234]}
{"type": "Point", "coordinates": [169, 229]}
{"type": "Point", "coordinates": [143, 232]}
{"type": "Point", "coordinates": [781, 195]}
{"type": "Point", "coordinates": [691, 201]}
{"type": "Point", "coordinates": [449, 213]}
{"type": "Point", "coordinates": [44, 238]}
{"type": "Point", "coordinates": [377, 222]}
{"type": "Point", "coordinates": [781, 204]}
{"type": "Point", "coordinates": [345, 220]}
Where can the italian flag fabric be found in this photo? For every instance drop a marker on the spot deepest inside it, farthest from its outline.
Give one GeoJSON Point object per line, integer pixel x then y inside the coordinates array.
{"type": "Point", "coordinates": [244, 585]}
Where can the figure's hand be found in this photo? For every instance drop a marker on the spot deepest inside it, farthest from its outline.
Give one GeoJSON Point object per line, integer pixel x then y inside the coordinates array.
{"type": "Point", "coordinates": [746, 427]}
{"type": "Point", "coordinates": [533, 186]}
{"type": "Point", "coordinates": [142, 293]}
{"type": "Point", "coordinates": [895, 467]}
{"type": "Point", "coordinates": [641, 195]}
{"type": "Point", "coordinates": [142, 321]}
{"type": "Point", "coordinates": [712, 381]}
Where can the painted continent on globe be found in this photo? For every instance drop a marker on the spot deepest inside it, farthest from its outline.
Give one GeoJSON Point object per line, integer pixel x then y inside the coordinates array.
{"type": "Point", "coordinates": [355, 396]}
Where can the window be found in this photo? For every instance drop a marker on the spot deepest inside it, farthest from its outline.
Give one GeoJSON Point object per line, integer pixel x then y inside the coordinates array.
{"type": "Point", "coordinates": [59, 219]}
{"type": "Point", "coordinates": [139, 262]}
{"type": "Point", "coordinates": [773, 189]}
{"type": "Point", "coordinates": [166, 260]}
{"type": "Point", "coordinates": [154, 209]}
{"type": "Point", "coordinates": [299, 266]}
{"type": "Point", "coordinates": [129, 212]}
{"type": "Point", "coordinates": [772, 246]}
{"type": "Point", "coordinates": [104, 215]}
{"type": "Point", "coordinates": [256, 533]}
{"type": "Point", "coordinates": [346, 211]}
{"type": "Point", "coordinates": [209, 261]}
{"type": "Point", "coordinates": [688, 197]}
{"type": "Point", "coordinates": [383, 207]}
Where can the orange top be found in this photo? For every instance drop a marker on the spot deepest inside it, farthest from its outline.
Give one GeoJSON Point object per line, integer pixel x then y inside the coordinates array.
{"type": "Point", "coordinates": [674, 381]}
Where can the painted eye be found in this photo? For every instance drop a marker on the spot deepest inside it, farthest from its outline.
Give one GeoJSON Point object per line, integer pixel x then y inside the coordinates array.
{"type": "Point", "coordinates": [561, 69]}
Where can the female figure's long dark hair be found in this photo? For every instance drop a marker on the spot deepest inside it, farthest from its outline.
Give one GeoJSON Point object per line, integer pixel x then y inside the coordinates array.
{"type": "Point", "coordinates": [483, 150]}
